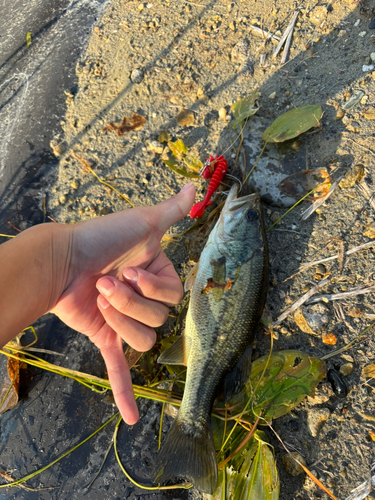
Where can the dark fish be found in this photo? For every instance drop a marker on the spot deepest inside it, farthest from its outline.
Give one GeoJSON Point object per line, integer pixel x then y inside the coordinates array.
{"type": "Point", "coordinates": [227, 299]}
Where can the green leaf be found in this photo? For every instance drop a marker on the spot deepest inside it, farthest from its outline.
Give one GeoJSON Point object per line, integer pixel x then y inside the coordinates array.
{"type": "Point", "coordinates": [172, 164]}
{"type": "Point", "coordinates": [252, 474]}
{"type": "Point", "coordinates": [178, 148]}
{"type": "Point", "coordinates": [293, 123]}
{"type": "Point", "coordinates": [28, 39]}
{"type": "Point", "coordinates": [289, 377]}
{"type": "Point", "coordinates": [244, 108]}
{"type": "Point", "coordinates": [193, 163]}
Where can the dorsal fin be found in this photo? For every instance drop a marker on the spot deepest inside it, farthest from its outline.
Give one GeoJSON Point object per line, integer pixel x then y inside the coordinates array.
{"type": "Point", "coordinates": [177, 353]}
{"type": "Point", "coordinates": [190, 278]}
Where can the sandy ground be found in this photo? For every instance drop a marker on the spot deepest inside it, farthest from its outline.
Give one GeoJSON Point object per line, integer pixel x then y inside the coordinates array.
{"type": "Point", "coordinates": [182, 52]}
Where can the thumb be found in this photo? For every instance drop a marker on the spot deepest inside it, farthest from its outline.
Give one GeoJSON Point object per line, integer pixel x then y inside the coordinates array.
{"type": "Point", "coordinates": [167, 213]}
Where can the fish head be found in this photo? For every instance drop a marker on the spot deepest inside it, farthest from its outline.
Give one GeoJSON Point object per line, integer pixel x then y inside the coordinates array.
{"type": "Point", "coordinates": [239, 233]}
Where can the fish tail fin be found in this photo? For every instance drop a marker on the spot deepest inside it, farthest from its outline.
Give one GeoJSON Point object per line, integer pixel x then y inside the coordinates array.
{"type": "Point", "coordinates": [188, 452]}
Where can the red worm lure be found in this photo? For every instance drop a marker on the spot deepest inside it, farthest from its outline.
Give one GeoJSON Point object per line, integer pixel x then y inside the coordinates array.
{"type": "Point", "coordinates": [218, 174]}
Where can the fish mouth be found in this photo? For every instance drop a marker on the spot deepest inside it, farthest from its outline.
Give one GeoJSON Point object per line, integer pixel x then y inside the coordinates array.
{"type": "Point", "coordinates": [235, 206]}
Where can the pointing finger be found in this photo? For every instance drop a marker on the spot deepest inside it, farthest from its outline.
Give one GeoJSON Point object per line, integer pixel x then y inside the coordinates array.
{"type": "Point", "coordinates": [110, 345]}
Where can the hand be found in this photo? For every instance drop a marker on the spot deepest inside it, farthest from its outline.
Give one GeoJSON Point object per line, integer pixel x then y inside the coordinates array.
{"type": "Point", "coordinates": [120, 256]}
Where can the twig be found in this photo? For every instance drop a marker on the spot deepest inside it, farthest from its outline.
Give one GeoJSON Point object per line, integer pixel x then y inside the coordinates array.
{"type": "Point", "coordinates": [286, 34]}
{"type": "Point", "coordinates": [289, 39]}
{"type": "Point", "coordinates": [306, 214]}
{"type": "Point", "coordinates": [366, 192]}
{"type": "Point", "coordinates": [360, 145]}
{"type": "Point", "coordinates": [343, 295]}
{"type": "Point", "coordinates": [348, 346]}
{"type": "Point", "coordinates": [14, 227]}
{"type": "Point", "coordinates": [259, 31]}
{"type": "Point", "coordinates": [346, 254]}
{"type": "Point", "coordinates": [299, 302]}
{"type": "Point", "coordinates": [88, 166]}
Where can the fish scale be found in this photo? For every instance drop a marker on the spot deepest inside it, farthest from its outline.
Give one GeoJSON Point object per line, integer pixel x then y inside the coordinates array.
{"type": "Point", "coordinates": [226, 303]}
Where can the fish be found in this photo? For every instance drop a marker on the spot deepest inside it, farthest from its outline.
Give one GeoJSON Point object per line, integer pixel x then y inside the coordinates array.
{"type": "Point", "coordinates": [228, 292]}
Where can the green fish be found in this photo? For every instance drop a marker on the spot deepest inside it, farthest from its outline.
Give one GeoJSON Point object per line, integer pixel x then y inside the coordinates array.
{"type": "Point", "coordinates": [229, 286]}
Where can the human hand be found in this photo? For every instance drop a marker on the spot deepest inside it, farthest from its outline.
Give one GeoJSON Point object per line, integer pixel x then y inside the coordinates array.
{"type": "Point", "coordinates": [120, 257]}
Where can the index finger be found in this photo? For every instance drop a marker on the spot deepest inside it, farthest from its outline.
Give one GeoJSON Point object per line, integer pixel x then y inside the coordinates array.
{"type": "Point", "coordinates": [110, 345]}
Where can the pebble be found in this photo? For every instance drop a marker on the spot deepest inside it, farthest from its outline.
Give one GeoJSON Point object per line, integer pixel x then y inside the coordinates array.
{"type": "Point", "coordinates": [75, 184]}
{"type": "Point", "coordinates": [346, 369]}
{"type": "Point", "coordinates": [369, 230]}
{"type": "Point", "coordinates": [185, 118]}
{"type": "Point", "coordinates": [372, 25]}
{"type": "Point", "coordinates": [315, 419]}
{"type": "Point", "coordinates": [354, 100]}
{"type": "Point", "coordinates": [322, 394]}
{"type": "Point", "coordinates": [58, 149]}
{"type": "Point", "coordinates": [291, 466]}
{"type": "Point", "coordinates": [362, 34]}
{"type": "Point", "coordinates": [366, 68]}
{"type": "Point", "coordinates": [222, 113]}
{"type": "Point", "coordinates": [275, 216]}
{"type": "Point", "coordinates": [369, 114]}
{"type": "Point", "coordinates": [272, 95]}
{"type": "Point", "coordinates": [62, 199]}
{"type": "Point", "coordinates": [136, 75]}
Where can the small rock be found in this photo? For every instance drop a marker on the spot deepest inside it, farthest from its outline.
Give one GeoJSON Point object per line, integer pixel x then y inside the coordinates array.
{"type": "Point", "coordinates": [155, 147]}
{"type": "Point", "coordinates": [62, 199]}
{"type": "Point", "coordinates": [372, 25]}
{"type": "Point", "coordinates": [362, 34]}
{"type": "Point", "coordinates": [322, 394]}
{"type": "Point", "coordinates": [339, 115]}
{"type": "Point", "coordinates": [185, 118]}
{"type": "Point", "coordinates": [369, 230]}
{"type": "Point", "coordinates": [369, 114]}
{"type": "Point", "coordinates": [353, 101]}
{"type": "Point", "coordinates": [357, 23]}
{"type": "Point", "coordinates": [315, 418]}
{"type": "Point", "coordinates": [366, 68]}
{"type": "Point", "coordinates": [75, 184]}
{"type": "Point", "coordinates": [140, 7]}
{"type": "Point", "coordinates": [291, 466]}
{"type": "Point", "coordinates": [136, 76]}
{"type": "Point", "coordinates": [58, 148]}
{"type": "Point", "coordinates": [346, 369]}
{"type": "Point", "coordinates": [275, 216]}
{"type": "Point", "coordinates": [222, 113]}
{"type": "Point", "coordinates": [211, 118]}
{"type": "Point", "coordinates": [272, 95]}
{"type": "Point", "coordinates": [329, 339]}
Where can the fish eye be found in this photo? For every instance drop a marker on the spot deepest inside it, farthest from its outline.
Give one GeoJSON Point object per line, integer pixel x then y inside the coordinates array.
{"type": "Point", "coordinates": [252, 215]}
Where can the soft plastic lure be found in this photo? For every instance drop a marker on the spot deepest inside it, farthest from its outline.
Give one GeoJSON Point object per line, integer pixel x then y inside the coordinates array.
{"type": "Point", "coordinates": [215, 168]}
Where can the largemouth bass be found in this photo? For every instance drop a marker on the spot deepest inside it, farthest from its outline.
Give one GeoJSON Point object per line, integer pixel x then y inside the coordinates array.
{"type": "Point", "coordinates": [226, 303]}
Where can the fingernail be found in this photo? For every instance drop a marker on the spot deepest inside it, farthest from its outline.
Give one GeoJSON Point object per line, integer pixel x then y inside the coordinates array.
{"type": "Point", "coordinates": [186, 187]}
{"type": "Point", "coordinates": [105, 286]}
{"type": "Point", "coordinates": [103, 302]}
{"type": "Point", "coordinates": [131, 274]}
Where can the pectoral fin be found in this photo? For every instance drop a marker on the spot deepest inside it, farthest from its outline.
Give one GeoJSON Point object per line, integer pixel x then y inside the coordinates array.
{"type": "Point", "coordinates": [235, 380]}
{"type": "Point", "coordinates": [177, 353]}
{"type": "Point", "coordinates": [190, 278]}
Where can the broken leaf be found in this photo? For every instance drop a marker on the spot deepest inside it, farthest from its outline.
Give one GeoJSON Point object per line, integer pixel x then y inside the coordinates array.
{"type": "Point", "coordinates": [244, 108]}
{"type": "Point", "coordinates": [300, 319]}
{"type": "Point", "coordinates": [178, 148]}
{"type": "Point", "coordinates": [172, 164]}
{"type": "Point", "coordinates": [28, 39]}
{"type": "Point", "coordinates": [289, 377]}
{"type": "Point", "coordinates": [163, 137]}
{"type": "Point", "coordinates": [252, 474]}
{"type": "Point", "coordinates": [193, 163]}
{"type": "Point", "coordinates": [299, 184]}
{"type": "Point", "coordinates": [369, 371]}
{"type": "Point", "coordinates": [10, 387]}
{"type": "Point", "coordinates": [293, 123]}
{"type": "Point", "coordinates": [127, 124]}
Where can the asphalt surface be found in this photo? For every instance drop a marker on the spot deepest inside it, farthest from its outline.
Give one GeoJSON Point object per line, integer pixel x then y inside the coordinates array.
{"type": "Point", "coordinates": [54, 414]}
